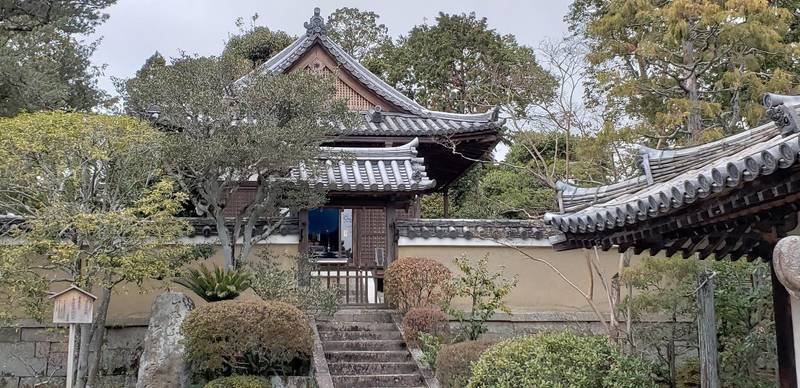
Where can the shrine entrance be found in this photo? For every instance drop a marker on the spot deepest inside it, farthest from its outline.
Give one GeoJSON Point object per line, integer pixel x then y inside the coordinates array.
{"type": "Point", "coordinates": [348, 248]}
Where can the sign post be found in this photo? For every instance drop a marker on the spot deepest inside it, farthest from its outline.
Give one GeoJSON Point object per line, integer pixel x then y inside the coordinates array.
{"type": "Point", "coordinates": [72, 306]}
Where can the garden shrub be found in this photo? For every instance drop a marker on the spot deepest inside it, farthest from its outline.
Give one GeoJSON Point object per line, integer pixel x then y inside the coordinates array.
{"type": "Point", "coordinates": [454, 362]}
{"type": "Point", "coordinates": [487, 291]}
{"type": "Point", "coordinates": [559, 359]}
{"type": "Point", "coordinates": [430, 345]}
{"type": "Point", "coordinates": [247, 338]}
{"type": "Point", "coordinates": [219, 284]}
{"type": "Point", "coordinates": [239, 381]}
{"type": "Point", "coordinates": [430, 320]}
{"type": "Point", "coordinates": [295, 286]}
{"type": "Point", "coordinates": [415, 282]}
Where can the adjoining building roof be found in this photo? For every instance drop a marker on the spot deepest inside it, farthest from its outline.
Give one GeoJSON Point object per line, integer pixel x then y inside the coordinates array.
{"type": "Point", "coordinates": [417, 121]}
{"type": "Point", "coordinates": [673, 180]}
{"type": "Point", "coordinates": [474, 229]}
{"type": "Point", "coordinates": [356, 169]}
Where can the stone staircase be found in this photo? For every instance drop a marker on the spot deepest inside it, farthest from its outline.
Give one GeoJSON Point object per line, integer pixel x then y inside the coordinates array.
{"type": "Point", "coordinates": [364, 348]}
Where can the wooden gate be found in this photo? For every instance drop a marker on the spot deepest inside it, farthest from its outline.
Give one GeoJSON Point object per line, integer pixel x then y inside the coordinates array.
{"type": "Point", "coordinates": [357, 285]}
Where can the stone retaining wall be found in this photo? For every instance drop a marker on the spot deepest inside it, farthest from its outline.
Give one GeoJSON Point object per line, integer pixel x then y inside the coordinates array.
{"type": "Point", "coordinates": [35, 355]}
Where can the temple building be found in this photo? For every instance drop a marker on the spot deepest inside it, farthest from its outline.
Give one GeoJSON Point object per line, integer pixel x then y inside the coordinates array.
{"type": "Point", "coordinates": [733, 198]}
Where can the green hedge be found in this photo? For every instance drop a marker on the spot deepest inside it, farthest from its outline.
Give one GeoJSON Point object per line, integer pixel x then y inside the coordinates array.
{"type": "Point", "coordinates": [239, 382]}
{"type": "Point", "coordinates": [559, 359]}
{"type": "Point", "coordinates": [247, 338]}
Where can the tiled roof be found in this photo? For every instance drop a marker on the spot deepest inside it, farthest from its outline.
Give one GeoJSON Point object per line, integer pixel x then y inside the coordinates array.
{"type": "Point", "coordinates": [390, 169]}
{"type": "Point", "coordinates": [418, 120]}
{"type": "Point", "coordinates": [677, 178]}
{"type": "Point", "coordinates": [473, 229]}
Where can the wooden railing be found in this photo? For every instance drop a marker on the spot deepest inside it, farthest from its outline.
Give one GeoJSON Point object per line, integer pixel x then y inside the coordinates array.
{"type": "Point", "coordinates": [356, 285]}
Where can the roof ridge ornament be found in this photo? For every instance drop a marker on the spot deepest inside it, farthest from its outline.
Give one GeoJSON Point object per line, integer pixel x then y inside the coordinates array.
{"type": "Point", "coordinates": [780, 111]}
{"type": "Point", "coordinates": [315, 25]}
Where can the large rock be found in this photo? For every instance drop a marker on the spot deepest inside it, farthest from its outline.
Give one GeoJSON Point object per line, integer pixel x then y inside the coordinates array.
{"type": "Point", "coordinates": [162, 364]}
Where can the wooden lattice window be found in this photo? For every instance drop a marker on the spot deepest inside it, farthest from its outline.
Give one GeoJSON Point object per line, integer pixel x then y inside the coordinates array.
{"type": "Point", "coordinates": [371, 224]}
{"type": "Point", "coordinates": [355, 101]}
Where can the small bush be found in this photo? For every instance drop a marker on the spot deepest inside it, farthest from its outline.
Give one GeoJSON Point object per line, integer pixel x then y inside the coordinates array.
{"type": "Point", "coordinates": [562, 359]}
{"type": "Point", "coordinates": [239, 382]}
{"type": "Point", "coordinates": [486, 290]}
{"type": "Point", "coordinates": [430, 345]}
{"type": "Point", "coordinates": [416, 282]}
{"type": "Point", "coordinates": [295, 286]}
{"type": "Point", "coordinates": [247, 338]}
{"type": "Point", "coordinates": [454, 362]}
{"type": "Point", "coordinates": [219, 284]}
{"type": "Point", "coordinates": [424, 319]}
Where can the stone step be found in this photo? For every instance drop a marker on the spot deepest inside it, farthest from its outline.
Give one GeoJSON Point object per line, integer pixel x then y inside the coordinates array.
{"type": "Point", "coordinates": [342, 335]}
{"type": "Point", "coordinates": [364, 345]}
{"type": "Point", "coordinates": [361, 316]}
{"type": "Point", "coordinates": [354, 326]}
{"type": "Point", "coordinates": [372, 368]}
{"type": "Point", "coordinates": [360, 381]}
{"type": "Point", "coordinates": [368, 356]}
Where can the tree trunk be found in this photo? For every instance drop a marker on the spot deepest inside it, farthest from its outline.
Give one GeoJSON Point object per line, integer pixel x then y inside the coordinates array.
{"type": "Point", "coordinates": [84, 335]}
{"type": "Point", "coordinates": [92, 336]}
{"type": "Point", "coordinates": [707, 331]}
{"type": "Point", "coordinates": [228, 243]}
{"type": "Point", "coordinates": [96, 347]}
{"type": "Point", "coordinates": [694, 123]}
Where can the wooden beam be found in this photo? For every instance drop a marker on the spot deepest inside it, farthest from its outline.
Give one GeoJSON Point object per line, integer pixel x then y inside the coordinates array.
{"type": "Point", "coordinates": [784, 333]}
{"type": "Point", "coordinates": [707, 331]}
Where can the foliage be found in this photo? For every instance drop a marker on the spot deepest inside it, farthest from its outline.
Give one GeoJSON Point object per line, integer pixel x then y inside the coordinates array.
{"type": "Point", "coordinates": [461, 65]}
{"type": "Point", "coordinates": [239, 381]}
{"type": "Point", "coordinates": [221, 146]}
{"type": "Point", "coordinates": [295, 286]}
{"type": "Point", "coordinates": [558, 359]}
{"type": "Point", "coordinates": [454, 362]}
{"type": "Point", "coordinates": [252, 338]}
{"type": "Point", "coordinates": [687, 71]}
{"type": "Point", "coordinates": [221, 284]}
{"type": "Point", "coordinates": [745, 325]}
{"type": "Point", "coordinates": [415, 282]}
{"type": "Point", "coordinates": [44, 63]}
{"type": "Point", "coordinates": [358, 32]}
{"type": "Point", "coordinates": [664, 287]}
{"type": "Point", "coordinates": [95, 210]}
{"type": "Point", "coordinates": [743, 305]}
{"type": "Point", "coordinates": [430, 345]}
{"type": "Point", "coordinates": [255, 45]}
{"type": "Point", "coordinates": [485, 291]}
{"type": "Point", "coordinates": [430, 320]}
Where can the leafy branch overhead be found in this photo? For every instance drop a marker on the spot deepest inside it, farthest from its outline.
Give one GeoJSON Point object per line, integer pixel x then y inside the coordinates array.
{"type": "Point", "coordinates": [227, 137]}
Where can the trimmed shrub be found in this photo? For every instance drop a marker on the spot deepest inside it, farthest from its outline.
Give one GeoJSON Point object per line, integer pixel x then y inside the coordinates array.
{"type": "Point", "coordinates": [416, 282]}
{"type": "Point", "coordinates": [454, 362]}
{"type": "Point", "coordinates": [430, 320]}
{"type": "Point", "coordinates": [247, 338]}
{"type": "Point", "coordinates": [239, 382]}
{"type": "Point", "coordinates": [559, 359]}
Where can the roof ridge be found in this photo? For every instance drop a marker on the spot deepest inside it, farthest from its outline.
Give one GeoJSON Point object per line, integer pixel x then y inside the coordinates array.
{"type": "Point", "coordinates": [316, 30]}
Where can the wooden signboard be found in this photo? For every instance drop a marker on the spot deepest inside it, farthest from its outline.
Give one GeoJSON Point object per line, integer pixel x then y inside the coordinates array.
{"type": "Point", "coordinates": [73, 305]}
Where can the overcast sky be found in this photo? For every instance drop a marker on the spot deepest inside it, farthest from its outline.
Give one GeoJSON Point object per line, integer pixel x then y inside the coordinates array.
{"type": "Point", "coordinates": [137, 28]}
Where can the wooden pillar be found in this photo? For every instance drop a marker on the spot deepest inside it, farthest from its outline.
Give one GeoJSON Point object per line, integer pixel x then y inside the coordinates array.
{"type": "Point", "coordinates": [391, 238]}
{"type": "Point", "coordinates": [707, 331]}
{"type": "Point", "coordinates": [446, 201]}
{"type": "Point", "coordinates": [784, 333]}
{"type": "Point", "coordinates": [302, 246]}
